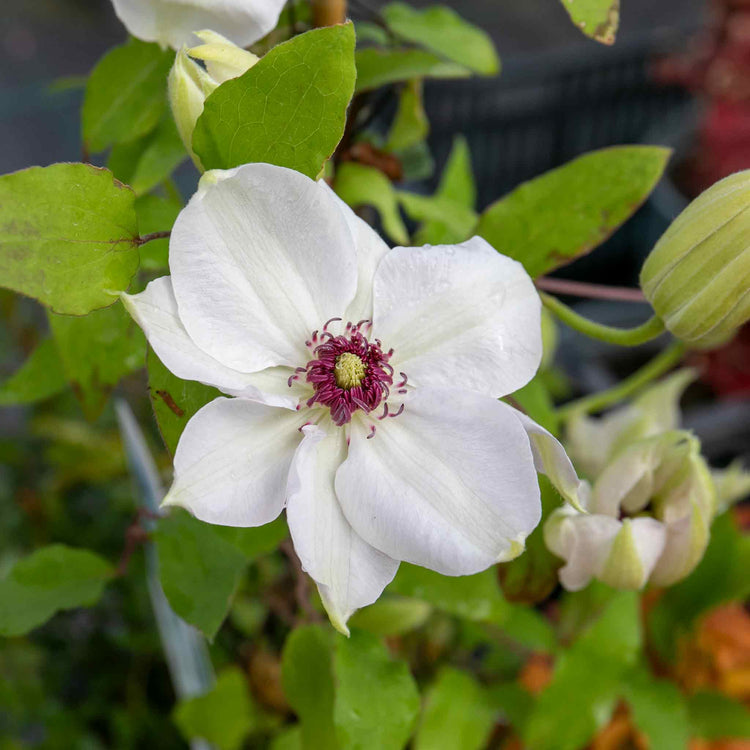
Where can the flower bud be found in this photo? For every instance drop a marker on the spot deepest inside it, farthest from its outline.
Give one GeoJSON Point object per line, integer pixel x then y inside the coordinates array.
{"type": "Point", "coordinates": [190, 84]}
{"type": "Point", "coordinates": [696, 277]}
{"type": "Point", "coordinates": [647, 520]}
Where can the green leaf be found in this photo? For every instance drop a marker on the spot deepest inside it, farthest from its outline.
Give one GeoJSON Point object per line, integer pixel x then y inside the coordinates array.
{"type": "Point", "coordinates": [720, 576]}
{"type": "Point", "coordinates": [68, 236]}
{"type": "Point", "coordinates": [456, 186]}
{"type": "Point", "coordinates": [287, 739]}
{"type": "Point", "coordinates": [96, 351]}
{"type": "Point", "coordinates": [457, 714]}
{"type": "Point", "coordinates": [289, 109]}
{"type": "Point", "coordinates": [530, 628]}
{"type": "Point", "coordinates": [410, 125]}
{"type": "Point", "coordinates": [392, 616]}
{"type": "Point", "coordinates": [223, 717]}
{"type": "Point", "coordinates": [255, 541]}
{"type": "Point", "coordinates": [598, 19]}
{"type": "Point", "coordinates": [659, 710]}
{"type": "Point", "coordinates": [307, 674]}
{"type": "Point", "coordinates": [156, 214]}
{"type": "Point", "coordinates": [590, 673]}
{"type": "Point", "coordinates": [376, 701]}
{"type": "Point", "coordinates": [441, 30]}
{"type": "Point", "coordinates": [50, 579]}
{"type": "Point", "coordinates": [38, 378]}
{"type": "Point", "coordinates": [174, 400]}
{"type": "Point", "coordinates": [146, 162]}
{"type": "Point", "coordinates": [371, 32]}
{"type": "Point", "coordinates": [359, 185]}
{"type": "Point", "coordinates": [379, 67]}
{"type": "Point", "coordinates": [551, 220]}
{"type": "Point", "coordinates": [714, 716]}
{"type": "Point", "coordinates": [199, 570]}
{"type": "Point", "coordinates": [476, 597]}
{"type": "Point", "coordinates": [458, 220]}
{"type": "Point", "coordinates": [125, 94]}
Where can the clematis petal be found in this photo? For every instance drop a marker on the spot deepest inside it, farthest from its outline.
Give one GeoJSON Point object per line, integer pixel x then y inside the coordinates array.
{"type": "Point", "coordinates": [260, 257]}
{"type": "Point", "coordinates": [686, 541]}
{"type": "Point", "coordinates": [155, 311]}
{"type": "Point", "coordinates": [460, 314]}
{"type": "Point", "coordinates": [349, 572]}
{"type": "Point", "coordinates": [371, 248]}
{"type": "Point", "coordinates": [172, 22]}
{"type": "Point", "coordinates": [584, 541]}
{"type": "Point", "coordinates": [551, 459]}
{"type": "Point", "coordinates": [449, 484]}
{"type": "Point", "coordinates": [232, 462]}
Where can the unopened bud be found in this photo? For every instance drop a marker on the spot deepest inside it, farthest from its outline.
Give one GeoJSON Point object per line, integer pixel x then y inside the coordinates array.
{"type": "Point", "coordinates": [190, 83]}
{"type": "Point", "coordinates": [648, 518]}
{"type": "Point", "coordinates": [697, 276]}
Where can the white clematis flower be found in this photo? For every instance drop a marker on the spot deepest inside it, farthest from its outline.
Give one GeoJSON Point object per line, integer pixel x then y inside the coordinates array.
{"type": "Point", "coordinates": [365, 380]}
{"type": "Point", "coordinates": [171, 23]}
{"type": "Point", "coordinates": [646, 519]}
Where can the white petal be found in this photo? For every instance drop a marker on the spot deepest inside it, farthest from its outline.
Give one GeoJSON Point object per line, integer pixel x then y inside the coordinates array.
{"type": "Point", "coordinates": [172, 22]}
{"type": "Point", "coordinates": [232, 462]}
{"type": "Point", "coordinates": [260, 257]}
{"type": "Point", "coordinates": [371, 248]}
{"type": "Point", "coordinates": [583, 541]}
{"type": "Point", "coordinates": [686, 542]}
{"type": "Point", "coordinates": [155, 311]}
{"type": "Point", "coordinates": [449, 484]}
{"type": "Point", "coordinates": [551, 459]}
{"type": "Point", "coordinates": [349, 572]}
{"type": "Point", "coordinates": [462, 315]}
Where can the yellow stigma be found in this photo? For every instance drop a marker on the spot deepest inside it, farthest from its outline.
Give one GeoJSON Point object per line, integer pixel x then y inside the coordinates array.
{"type": "Point", "coordinates": [349, 370]}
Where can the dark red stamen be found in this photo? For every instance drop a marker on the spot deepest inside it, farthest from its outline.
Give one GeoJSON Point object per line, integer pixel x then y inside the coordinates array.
{"type": "Point", "coordinates": [375, 383]}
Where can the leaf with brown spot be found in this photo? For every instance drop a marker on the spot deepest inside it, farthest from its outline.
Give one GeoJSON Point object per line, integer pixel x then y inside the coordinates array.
{"type": "Point", "coordinates": [68, 236]}
{"type": "Point", "coordinates": [174, 400]}
{"type": "Point", "coordinates": [597, 19]}
{"type": "Point", "coordinates": [550, 221]}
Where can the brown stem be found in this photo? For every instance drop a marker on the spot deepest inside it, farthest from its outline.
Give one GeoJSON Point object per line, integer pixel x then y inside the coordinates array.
{"type": "Point", "coordinates": [328, 12]}
{"type": "Point", "coordinates": [590, 291]}
{"type": "Point", "coordinates": [153, 236]}
{"type": "Point", "coordinates": [135, 535]}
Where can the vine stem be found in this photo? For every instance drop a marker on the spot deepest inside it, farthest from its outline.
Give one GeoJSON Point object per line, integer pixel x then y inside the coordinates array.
{"type": "Point", "coordinates": [653, 369]}
{"type": "Point", "coordinates": [328, 12]}
{"type": "Point", "coordinates": [589, 291]}
{"type": "Point", "coordinates": [652, 328]}
{"type": "Point", "coordinates": [143, 239]}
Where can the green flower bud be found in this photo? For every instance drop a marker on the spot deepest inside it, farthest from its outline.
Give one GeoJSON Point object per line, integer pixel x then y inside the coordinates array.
{"type": "Point", "coordinates": [697, 277]}
{"type": "Point", "coordinates": [190, 84]}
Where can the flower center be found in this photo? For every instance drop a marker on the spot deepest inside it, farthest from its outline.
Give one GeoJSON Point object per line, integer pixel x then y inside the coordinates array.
{"type": "Point", "coordinates": [349, 370]}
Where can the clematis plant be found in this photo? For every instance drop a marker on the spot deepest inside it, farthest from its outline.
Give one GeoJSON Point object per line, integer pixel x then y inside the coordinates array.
{"type": "Point", "coordinates": [388, 408]}
{"type": "Point", "coordinates": [365, 383]}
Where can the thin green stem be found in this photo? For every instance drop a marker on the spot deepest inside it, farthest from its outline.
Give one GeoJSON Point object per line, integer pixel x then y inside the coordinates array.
{"type": "Point", "coordinates": [652, 328]}
{"type": "Point", "coordinates": [649, 372]}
